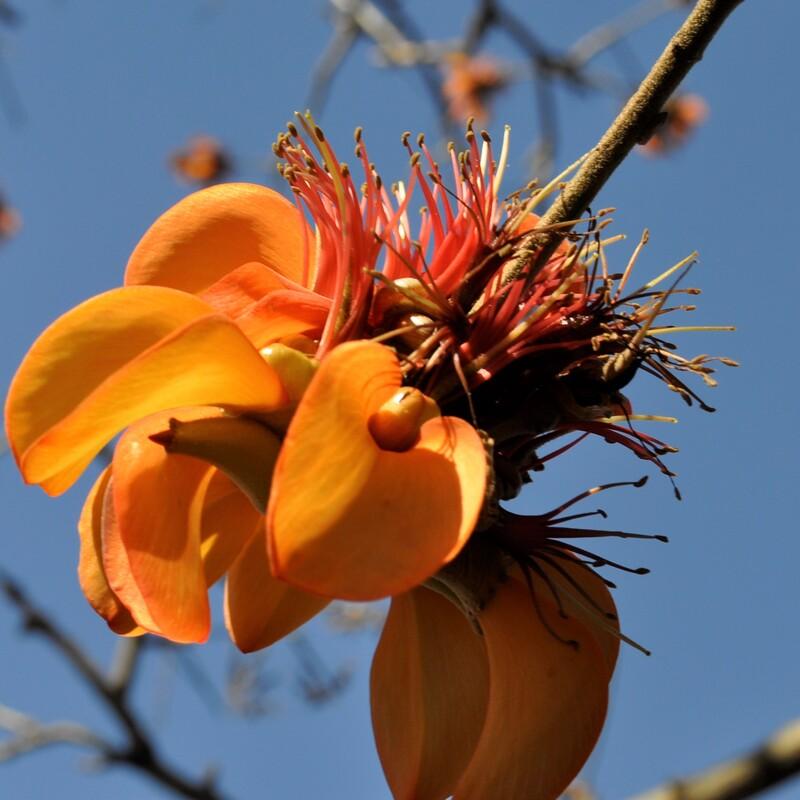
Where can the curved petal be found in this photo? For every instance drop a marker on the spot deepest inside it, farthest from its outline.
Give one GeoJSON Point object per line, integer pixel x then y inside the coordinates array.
{"type": "Point", "coordinates": [213, 231]}
{"type": "Point", "coordinates": [259, 609]}
{"type": "Point", "coordinates": [83, 347]}
{"type": "Point", "coordinates": [117, 566]}
{"type": "Point", "coordinates": [429, 688]}
{"type": "Point", "coordinates": [284, 313]}
{"type": "Point", "coordinates": [547, 701]}
{"type": "Point", "coordinates": [83, 380]}
{"type": "Point", "coordinates": [91, 575]}
{"type": "Point", "coordinates": [228, 522]}
{"type": "Point", "coordinates": [584, 595]}
{"type": "Point", "coordinates": [347, 519]}
{"type": "Point", "coordinates": [239, 289]}
{"type": "Point", "coordinates": [157, 523]}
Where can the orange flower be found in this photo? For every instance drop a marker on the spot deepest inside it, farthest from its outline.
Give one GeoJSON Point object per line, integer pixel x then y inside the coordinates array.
{"type": "Point", "coordinates": [10, 221]}
{"type": "Point", "coordinates": [512, 713]}
{"type": "Point", "coordinates": [203, 160]}
{"type": "Point", "coordinates": [338, 413]}
{"type": "Point", "coordinates": [683, 114]}
{"type": "Point", "coordinates": [470, 83]}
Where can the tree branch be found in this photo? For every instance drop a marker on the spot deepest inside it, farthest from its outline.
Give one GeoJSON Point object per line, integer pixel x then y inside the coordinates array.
{"type": "Point", "coordinates": [138, 751]}
{"type": "Point", "coordinates": [608, 34]}
{"type": "Point", "coordinates": [773, 762]}
{"type": "Point", "coordinates": [29, 734]}
{"type": "Point", "coordinates": [634, 124]}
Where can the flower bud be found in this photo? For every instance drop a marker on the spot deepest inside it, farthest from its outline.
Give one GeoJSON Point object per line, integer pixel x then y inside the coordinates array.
{"type": "Point", "coordinates": [395, 425]}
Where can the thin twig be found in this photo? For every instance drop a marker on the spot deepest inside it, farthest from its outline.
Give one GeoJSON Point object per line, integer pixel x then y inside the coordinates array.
{"type": "Point", "coordinates": [139, 751]}
{"type": "Point", "coordinates": [123, 667]}
{"type": "Point", "coordinates": [29, 734]}
{"type": "Point", "coordinates": [345, 35]}
{"type": "Point", "coordinates": [773, 762]}
{"type": "Point", "coordinates": [599, 39]}
{"type": "Point", "coordinates": [400, 43]}
{"type": "Point", "coordinates": [396, 40]}
{"type": "Point", "coordinates": [635, 122]}
{"type": "Point", "coordinates": [36, 621]}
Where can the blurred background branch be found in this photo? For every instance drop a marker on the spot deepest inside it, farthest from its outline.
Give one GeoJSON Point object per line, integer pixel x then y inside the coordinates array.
{"type": "Point", "coordinates": [774, 761]}
{"type": "Point", "coordinates": [460, 82]}
{"type": "Point", "coordinates": [139, 749]}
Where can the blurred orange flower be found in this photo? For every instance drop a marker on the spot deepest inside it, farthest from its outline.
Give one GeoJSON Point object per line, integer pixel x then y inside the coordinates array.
{"type": "Point", "coordinates": [470, 84]}
{"type": "Point", "coordinates": [10, 221]}
{"type": "Point", "coordinates": [684, 114]}
{"type": "Point", "coordinates": [202, 160]}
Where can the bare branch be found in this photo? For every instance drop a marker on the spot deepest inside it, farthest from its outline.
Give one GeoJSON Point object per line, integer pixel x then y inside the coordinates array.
{"type": "Point", "coordinates": [139, 750]}
{"type": "Point", "coordinates": [317, 682]}
{"type": "Point", "coordinates": [37, 622]}
{"type": "Point", "coordinates": [591, 44]}
{"type": "Point", "coordinates": [29, 735]}
{"type": "Point", "coordinates": [126, 659]}
{"type": "Point", "coordinates": [635, 122]}
{"type": "Point", "coordinates": [344, 37]}
{"type": "Point", "coordinates": [394, 46]}
{"type": "Point", "coordinates": [773, 762]}
{"type": "Point", "coordinates": [397, 40]}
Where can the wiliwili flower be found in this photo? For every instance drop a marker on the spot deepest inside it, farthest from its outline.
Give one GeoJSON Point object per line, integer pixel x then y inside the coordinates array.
{"type": "Point", "coordinates": [325, 400]}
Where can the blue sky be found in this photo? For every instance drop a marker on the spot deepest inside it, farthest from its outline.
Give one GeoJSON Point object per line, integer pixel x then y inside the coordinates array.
{"type": "Point", "coordinates": [109, 92]}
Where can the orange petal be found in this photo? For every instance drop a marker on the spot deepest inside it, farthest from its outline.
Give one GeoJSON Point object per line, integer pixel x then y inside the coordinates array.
{"type": "Point", "coordinates": [228, 522]}
{"type": "Point", "coordinates": [116, 564]}
{"type": "Point", "coordinates": [236, 291]}
{"type": "Point", "coordinates": [547, 700]}
{"type": "Point", "coordinates": [349, 520]}
{"type": "Point", "coordinates": [162, 580]}
{"type": "Point", "coordinates": [117, 358]}
{"type": "Point", "coordinates": [91, 575]}
{"type": "Point", "coordinates": [64, 364]}
{"type": "Point", "coordinates": [259, 609]}
{"type": "Point", "coordinates": [284, 313]}
{"type": "Point", "coordinates": [584, 596]}
{"type": "Point", "coordinates": [213, 231]}
{"type": "Point", "coordinates": [429, 689]}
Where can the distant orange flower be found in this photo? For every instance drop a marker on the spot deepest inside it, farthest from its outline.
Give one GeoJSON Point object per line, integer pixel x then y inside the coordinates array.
{"type": "Point", "coordinates": [10, 221]}
{"type": "Point", "coordinates": [202, 160]}
{"type": "Point", "coordinates": [338, 412]}
{"type": "Point", "coordinates": [470, 83]}
{"type": "Point", "coordinates": [684, 114]}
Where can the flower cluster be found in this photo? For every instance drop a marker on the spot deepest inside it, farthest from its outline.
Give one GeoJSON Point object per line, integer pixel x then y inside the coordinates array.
{"type": "Point", "coordinates": [317, 404]}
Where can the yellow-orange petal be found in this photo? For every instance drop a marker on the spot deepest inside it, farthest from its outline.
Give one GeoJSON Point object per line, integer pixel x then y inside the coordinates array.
{"type": "Point", "coordinates": [228, 521]}
{"type": "Point", "coordinates": [85, 346]}
{"type": "Point", "coordinates": [429, 689]}
{"type": "Point", "coordinates": [236, 291]}
{"type": "Point", "coordinates": [117, 358]}
{"type": "Point", "coordinates": [91, 575]}
{"type": "Point", "coordinates": [547, 700]}
{"type": "Point", "coordinates": [116, 564]}
{"type": "Point", "coordinates": [349, 520]}
{"type": "Point", "coordinates": [282, 314]}
{"type": "Point", "coordinates": [260, 609]}
{"type": "Point", "coordinates": [213, 231]}
{"type": "Point", "coordinates": [162, 581]}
